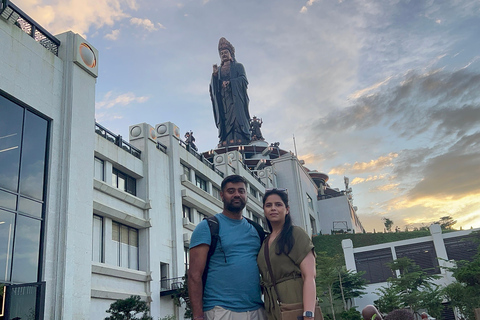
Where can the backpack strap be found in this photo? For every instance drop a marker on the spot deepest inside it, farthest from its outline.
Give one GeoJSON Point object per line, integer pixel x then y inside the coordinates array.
{"type": "Point", "coordinates": [259, 228]}
{"type": "Point", "coordinates": [214, 227]}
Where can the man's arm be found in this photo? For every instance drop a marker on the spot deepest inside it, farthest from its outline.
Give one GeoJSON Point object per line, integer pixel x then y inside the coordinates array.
{"type": "Point", "coordinates": [198, 259]}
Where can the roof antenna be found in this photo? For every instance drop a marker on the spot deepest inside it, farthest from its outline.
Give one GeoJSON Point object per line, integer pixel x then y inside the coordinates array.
{"type": "Point", "coordinates": [294, 145]}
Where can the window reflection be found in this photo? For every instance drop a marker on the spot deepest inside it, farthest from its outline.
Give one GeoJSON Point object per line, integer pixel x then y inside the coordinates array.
{"type": "Point", "coordinates": [6, 241]}
{"type": "Point", "coordinates": [33, 156]}
{"type": "Point", "coordinates": [11, 118]}
{"type": "Point", "coordinates": [26, 253]}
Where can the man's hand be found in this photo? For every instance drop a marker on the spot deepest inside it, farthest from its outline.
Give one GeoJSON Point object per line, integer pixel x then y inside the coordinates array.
{"type": "Point", "coordinates": [225, 83]}
{"type": "Point", "coordinates": [215, 69]}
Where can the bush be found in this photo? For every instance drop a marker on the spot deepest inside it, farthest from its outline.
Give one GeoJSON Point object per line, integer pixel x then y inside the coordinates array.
{"type": "Point", "coordinates": [127, 309]}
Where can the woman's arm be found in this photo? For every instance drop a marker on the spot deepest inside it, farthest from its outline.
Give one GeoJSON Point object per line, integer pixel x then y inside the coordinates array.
{"type": "Point", "coordinates": [307, 267]}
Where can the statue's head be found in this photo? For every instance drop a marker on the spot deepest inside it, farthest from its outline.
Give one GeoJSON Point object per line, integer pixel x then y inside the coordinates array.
{"type": "Point", "coordinates": [226, 50]}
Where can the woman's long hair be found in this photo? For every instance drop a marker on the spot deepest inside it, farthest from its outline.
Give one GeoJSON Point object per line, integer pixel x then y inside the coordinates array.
{"type": "Point", "coordinates": [285, 239]}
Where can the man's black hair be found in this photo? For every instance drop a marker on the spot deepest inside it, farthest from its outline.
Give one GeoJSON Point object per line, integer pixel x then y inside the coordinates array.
{"type": "Point", "coordinates": [234, 178]}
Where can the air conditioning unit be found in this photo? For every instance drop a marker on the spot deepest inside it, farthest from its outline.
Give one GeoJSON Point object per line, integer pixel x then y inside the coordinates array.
{"type": "Point", "coordinates": [186, 222]}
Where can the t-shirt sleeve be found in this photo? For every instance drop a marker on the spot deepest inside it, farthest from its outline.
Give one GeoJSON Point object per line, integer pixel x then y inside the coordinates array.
{"type": "Point", "coordinates": [201, 235]}
{"type": "Point", "coordinates": [302, 246]}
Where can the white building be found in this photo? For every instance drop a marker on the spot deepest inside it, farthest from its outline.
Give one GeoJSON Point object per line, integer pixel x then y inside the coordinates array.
{"type": "Point", "coordinates": [431, 253]}
{"type": "Point", "coordinates": [87, 218]}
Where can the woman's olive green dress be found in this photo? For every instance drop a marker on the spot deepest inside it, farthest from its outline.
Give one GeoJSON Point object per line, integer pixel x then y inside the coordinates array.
{"type": "Point", "coordinates": [286, 269]}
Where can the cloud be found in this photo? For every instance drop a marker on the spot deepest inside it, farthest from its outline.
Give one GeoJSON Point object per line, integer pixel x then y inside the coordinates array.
{"type": "Point", "coordinates": [110, 100]}
{"type": "Point", "coordinates": [361, 167]}
{"type": "Point", "coordinates": [358, 180]}
{"type": "Point", "coordinates": [76, 15]}
{"type": "Point", "coordinates": [114, 35]}
{"type": "Point", "coordinates": [146, 24]}
{"type": "Point", "coordinates": [308, 4]}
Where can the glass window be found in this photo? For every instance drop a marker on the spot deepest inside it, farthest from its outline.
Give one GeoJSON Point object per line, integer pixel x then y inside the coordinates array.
{"type": "Point", "coordinates": [201, 216]}
{"type": "Point", "coordinates": [33, 156]}
{"type": "Point", "coordinates": [186, 257]}
{"type": "Point", "coordinates": [97, 239]}
{"type": "Point", "coordinates": [186, 171]}
{"type": "Point", "coordinates": [23, 154]}
{"type": "Point", "coordinates": [7, 220]}
{"type": "Point", "coordinates": [255, 219]}
{"type": "Point", "coordinates": [253, 192]}
{"type": "Point", "coordinates": [187, 213]}
{"type": "Point", "coordinates": [126, 240]}
{"type": "Point", "coordinates": [11, 125]}
{"type": "Point", "coordinates": [216, 193]}
{"type": "Point", "coordinates": [26, 250]}
{"type": "Point", "coordinates": [99, 169]}
{"type": "Point", "coordinates": [124, 182]}
{"type": "Point", "coordinates": [313, 225]}
{"type": "Point", "coordinates": [31, 207]}
{"type": "Point", "coordinates": [201, 183]}
{"type": "Point", "coordinates": [310, 202]}
{"type": "Point", "coordinates": [8, 200]}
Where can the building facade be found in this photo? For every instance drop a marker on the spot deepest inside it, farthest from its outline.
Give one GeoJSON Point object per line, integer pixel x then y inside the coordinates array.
{"type": "Point", "coordinates": [431, 253]}
{"type": "Point", "coordinates": [86, 217]}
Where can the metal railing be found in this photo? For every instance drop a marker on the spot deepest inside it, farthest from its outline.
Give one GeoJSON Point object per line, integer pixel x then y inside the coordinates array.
{"type": "Point", "coordinates": [201, 158]}
{"type": "Point", "coordinates": [11, 12]}
{"type": "Point", "coordinates": [167, 286]}
{"type": "Point", "coordinates": [117, 140]}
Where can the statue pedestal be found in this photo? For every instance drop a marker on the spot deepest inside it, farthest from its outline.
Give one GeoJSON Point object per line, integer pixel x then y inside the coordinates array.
{"type": "Point", "coordinates": [258, 143]}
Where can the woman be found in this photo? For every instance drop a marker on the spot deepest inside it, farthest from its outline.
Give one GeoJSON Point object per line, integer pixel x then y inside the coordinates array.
{"type": "Point", "coordinates": [292, 259]}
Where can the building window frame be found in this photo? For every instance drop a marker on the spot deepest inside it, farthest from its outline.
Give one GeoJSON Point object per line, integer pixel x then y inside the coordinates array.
{"type": "Point", "coordinates": [201, 183]}
{"type": "Point", "coordinates": [124, 182]}
{"type": "Point", "coordinates": [127, 245]}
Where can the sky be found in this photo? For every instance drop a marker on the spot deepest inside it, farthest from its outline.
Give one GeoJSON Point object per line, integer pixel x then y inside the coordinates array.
{"type": "Point", "coordinates": [386, 93]}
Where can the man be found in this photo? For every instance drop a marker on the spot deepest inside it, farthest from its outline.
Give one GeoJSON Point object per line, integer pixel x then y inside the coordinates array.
{"type": "Point", "coordinates": [228, 92]}
{"type": "Point", "coordinates": [232, 288]}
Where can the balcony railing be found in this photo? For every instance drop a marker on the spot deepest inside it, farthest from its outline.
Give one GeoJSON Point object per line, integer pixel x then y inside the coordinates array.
{"type": "Point", "coordinates": [11, 12]}
{"type": "Point", "coordinates": [169, 286]}
{"type": "Point", "coordinates": [117, 140]}
{"type": "Point", "coordinates": [201, 158]}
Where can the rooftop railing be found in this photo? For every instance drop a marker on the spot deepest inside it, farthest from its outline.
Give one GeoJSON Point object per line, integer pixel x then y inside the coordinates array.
{"type": "Point", "coordinates": [201, 158]}
{"type": "Point", "coordinates": [11, 12]}
{"type": "Point", "coordinates": [117, 140]}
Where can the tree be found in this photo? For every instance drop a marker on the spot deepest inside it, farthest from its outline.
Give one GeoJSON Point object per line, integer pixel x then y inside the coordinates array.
{"type": "Point", "coordinates": [413, 288]}
{"type": "Point", "coordinates": [327, 274]}
{"type": "Point", "coordinates": [180, 297]}
{"type": "Point", "coordinates": [349, 285]}
{"type": "Point", "coordinates": [446, 222]}
{"type": "Point", "coordinates": [464, 293]}
{"type": "Point", "coordinates": [388, 224]}
{"type": "Point", "coordinates": [128, 308]}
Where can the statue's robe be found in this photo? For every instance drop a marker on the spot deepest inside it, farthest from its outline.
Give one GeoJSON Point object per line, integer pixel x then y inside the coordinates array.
{"type": "Point", "coordinates": [230, 106]}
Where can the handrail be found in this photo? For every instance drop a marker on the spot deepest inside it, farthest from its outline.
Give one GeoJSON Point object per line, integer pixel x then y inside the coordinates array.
{"type": "Point", "coordinates": [117, 140]}
{"type": "Point", "coordinates": [11, 12]}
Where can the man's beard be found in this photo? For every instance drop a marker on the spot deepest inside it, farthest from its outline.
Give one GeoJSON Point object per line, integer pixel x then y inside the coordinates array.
{"type": "Point", "coordinates": [235, 207]}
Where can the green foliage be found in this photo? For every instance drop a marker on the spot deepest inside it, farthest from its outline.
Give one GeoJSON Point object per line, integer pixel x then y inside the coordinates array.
{"type": "Point", "coordinates": [336, 284]}
{"type": "Point", "coordinates": [180, 297]}
{"type": "Point", "coordinates": [351, 314]}
{"type": "Point", "coordinates": [388, 224]}
{"type": "Point", "coordinates": [446, 222]}
{"type": "Point", "coordinates": [413, 289]}
{"type": "Point", "coordinates": [127, 309]}
{"type": "Point", "coordinates": [465, 292]}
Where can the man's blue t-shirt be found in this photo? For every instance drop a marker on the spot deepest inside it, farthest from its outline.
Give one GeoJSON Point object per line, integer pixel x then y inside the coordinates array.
{"type": "Point", "coordinates": [233, 280]}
